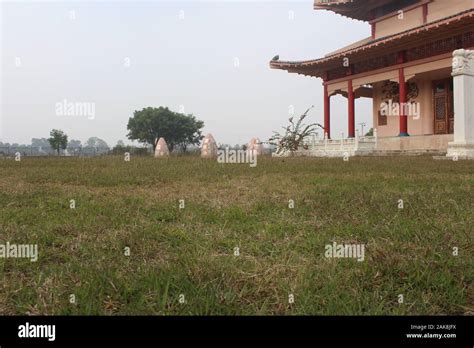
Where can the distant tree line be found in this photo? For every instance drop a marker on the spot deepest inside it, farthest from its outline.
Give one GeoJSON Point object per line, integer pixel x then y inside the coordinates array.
{"type": "Point", "coordinates": [58, 143]}
{"type": "Point", "coordinates": [182, 133]}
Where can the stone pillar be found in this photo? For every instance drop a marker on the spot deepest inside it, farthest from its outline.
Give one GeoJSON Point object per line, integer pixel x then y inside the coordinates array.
{"type": "Point", "coordinates": [463, 76]}
{"type": "Point", "coordinates": [161, 149]}
{"type": "Point", "coordinates": [256, 146]}
{"type": "Point", "coordinates": [209, 147]}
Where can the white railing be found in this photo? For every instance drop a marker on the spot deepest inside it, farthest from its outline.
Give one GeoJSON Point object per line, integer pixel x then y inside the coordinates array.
{"type": "Point", "coordinates": [324, 147]}
{"type": "Point", "coordinates": [317, 146]}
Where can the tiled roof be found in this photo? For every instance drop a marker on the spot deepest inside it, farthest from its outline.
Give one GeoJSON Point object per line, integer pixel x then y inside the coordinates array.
{"type": "Point", "coordinates": [463, 21]}
{"type": "Point", "coordinates": [356, 9]}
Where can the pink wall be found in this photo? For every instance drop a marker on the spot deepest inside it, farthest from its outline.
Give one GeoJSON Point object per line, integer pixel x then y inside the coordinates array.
{"type": "Point", "coordinates": [422, 126]}
{"type": "Point", "coordinates": [437, 9]}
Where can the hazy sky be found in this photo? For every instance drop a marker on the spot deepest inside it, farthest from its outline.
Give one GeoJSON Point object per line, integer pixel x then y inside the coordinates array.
{"type": "Point", "coordinates": [208, 57]}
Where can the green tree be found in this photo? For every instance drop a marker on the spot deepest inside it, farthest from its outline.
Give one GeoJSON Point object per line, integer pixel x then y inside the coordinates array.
{"type": "Point", "coordinates": [97, 143]}
{"type": "Point", "coordinates": [74, 143]}
{"type": "Point", "coordinates": [189, 131]}
{"type": "Point", "coordinates": [58, 140]}
{"type": "Point", "coordinates": [40, 143]}
{"type": "Point", "coordinates": [74, 146]}
{"type": "Point", "coordinates": [149, 124]}
{"type": "Point", "coordinates": [41, 146]}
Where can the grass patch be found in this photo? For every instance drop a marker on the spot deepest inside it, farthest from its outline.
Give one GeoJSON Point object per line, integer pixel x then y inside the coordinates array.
{"type": "Point", "coordinates": [190, 251]}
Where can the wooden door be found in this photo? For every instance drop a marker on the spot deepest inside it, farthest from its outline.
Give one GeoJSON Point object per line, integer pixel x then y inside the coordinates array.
{"type": "Point", "coordinates": [443, 106]}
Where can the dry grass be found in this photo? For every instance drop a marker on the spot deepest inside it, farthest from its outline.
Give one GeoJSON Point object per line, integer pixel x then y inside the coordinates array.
{"type": "Point", "coordinates": [190, 251]}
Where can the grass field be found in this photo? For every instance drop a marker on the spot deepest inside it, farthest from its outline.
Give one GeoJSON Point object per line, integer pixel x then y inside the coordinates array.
{"type": "Point", "coordinates": [190, 251]}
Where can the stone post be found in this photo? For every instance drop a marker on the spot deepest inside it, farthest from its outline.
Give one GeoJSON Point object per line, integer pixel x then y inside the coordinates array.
{"type": "Point", "coordinates": [209, 147]}
{"type": "Point", "coordinates": [256, 146]}
{"type": "Point", "coordinates": [463, 75]}
{"type": "Point", "coordinates": [357, 140]}
{"type": "Point", "coordinates": [375, 137]}
{"type": "Point", "coordinates": [161, 149]}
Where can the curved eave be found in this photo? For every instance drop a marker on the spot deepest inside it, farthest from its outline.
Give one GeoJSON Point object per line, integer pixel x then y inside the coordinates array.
{"type": "Point", "coordinates": [363, 17]}
{"type": "Point", "coordinates": [355, 9]}
{"type": "Point", "coordinates": [317, 67]}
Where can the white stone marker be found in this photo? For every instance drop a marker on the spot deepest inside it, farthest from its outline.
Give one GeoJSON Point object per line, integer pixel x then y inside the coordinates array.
{"type": "Point", "coordinates": [209, 147]}
{"type": "Point", "coordinates": [463, 75]}
{"type": "Point", "coordinates": [161, 149]}
{"type": "Point", "coordinates": [256, 146]}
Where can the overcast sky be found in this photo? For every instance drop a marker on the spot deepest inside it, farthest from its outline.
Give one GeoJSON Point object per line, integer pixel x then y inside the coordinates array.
{"type": "Point", "coordinates": [209, 58]}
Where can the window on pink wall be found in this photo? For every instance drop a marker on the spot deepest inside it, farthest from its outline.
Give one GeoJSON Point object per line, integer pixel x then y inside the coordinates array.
{"type": "Point", "coordinates": [382, 119]}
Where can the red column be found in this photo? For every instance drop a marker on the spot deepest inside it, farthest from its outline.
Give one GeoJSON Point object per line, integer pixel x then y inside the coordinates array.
{"type": "Point", "coordinates": [403, 100]}
{"type": "Point", "coordinates": [351, 109]}
{"type": "Point", "coordinates": [327, 112]}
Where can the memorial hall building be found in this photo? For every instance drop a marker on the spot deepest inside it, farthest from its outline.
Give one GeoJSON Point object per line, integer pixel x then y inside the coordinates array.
{"type": "Point", "coordinates": [405, 67]}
